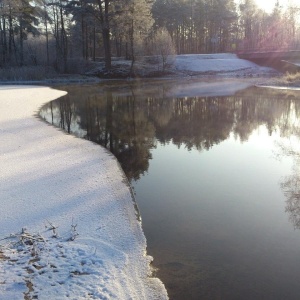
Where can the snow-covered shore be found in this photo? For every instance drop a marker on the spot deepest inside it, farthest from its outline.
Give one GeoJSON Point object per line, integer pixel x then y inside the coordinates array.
{"type": "Point", "coordinates": [50, 179]}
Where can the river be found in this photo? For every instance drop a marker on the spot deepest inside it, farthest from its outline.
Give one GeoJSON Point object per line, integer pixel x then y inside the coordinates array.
{"type": "Point", "coordinates": [216, 179]}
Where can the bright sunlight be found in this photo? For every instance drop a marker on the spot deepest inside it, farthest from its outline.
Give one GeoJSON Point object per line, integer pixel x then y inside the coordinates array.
{"type": "Point", "coordinates": [268, 5]}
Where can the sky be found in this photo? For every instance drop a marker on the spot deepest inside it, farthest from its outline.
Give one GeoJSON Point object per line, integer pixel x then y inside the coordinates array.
{"type": "Point", "coordinates": [267, 5]}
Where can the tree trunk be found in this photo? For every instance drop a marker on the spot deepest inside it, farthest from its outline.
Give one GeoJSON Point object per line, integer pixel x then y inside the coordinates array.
{"type": "Point", "coordinates": [132, 48]}
{"type": "Point", "coordinates": [10, 38]}
{"type": "Point", "coordinates": [94, 43]}
{"type": "Point", "coordinates": [47, 39]}
{"type": "Point", "coordinates": [21, 43]}
{"type": "Point", "coordinates": [64, 41]}
{"type": "Point", "coordinates": [3, 41]}
{"type": "Point", "coordinates": [104, 21]}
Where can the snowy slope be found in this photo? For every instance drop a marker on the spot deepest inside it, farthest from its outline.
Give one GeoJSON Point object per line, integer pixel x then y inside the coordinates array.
{"type": "Point", "coordinates": [81, 238]}
{"type": "Point", "coordinates": [221, 63]}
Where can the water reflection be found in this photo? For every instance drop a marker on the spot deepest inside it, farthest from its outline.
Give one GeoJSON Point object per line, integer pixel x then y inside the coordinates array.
{"type": "Point", "coordinates": [130, 126]}
{"type": "Point", "coordinates": [291, 189]}
{"type": "Point", "coordinates": [291, 184]}
{"type": "Point", "coordinates": [213, 212]}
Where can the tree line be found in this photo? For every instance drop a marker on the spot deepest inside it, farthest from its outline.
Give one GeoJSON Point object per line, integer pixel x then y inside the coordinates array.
{"type": "Point", "coordinates": [60, 33]}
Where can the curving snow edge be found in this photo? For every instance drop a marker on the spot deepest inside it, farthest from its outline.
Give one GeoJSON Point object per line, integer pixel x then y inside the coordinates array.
{"type": "Point", "coordinates": [49, 177]}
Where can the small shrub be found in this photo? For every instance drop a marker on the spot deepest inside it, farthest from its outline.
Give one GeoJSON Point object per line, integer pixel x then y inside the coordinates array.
{"type": "Point", "coordinates": [79, 66]}
{"type": "Point", "coordinates": [164, 48]}
{"type": "Point", "coordinates": [27, 73]}
{"type": "Point", "coordinates": [292, 77]}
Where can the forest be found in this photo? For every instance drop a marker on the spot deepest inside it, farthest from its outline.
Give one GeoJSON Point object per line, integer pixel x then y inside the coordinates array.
{"type": "Point", "coordinates": [63, 34]}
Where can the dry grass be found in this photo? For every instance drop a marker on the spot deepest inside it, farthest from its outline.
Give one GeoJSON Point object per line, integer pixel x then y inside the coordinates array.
{"type": "Point", "coordinates": [289, 79]}
{"type": "Point", "coordinates": [2, 256]}
{"type": "Point", "coordinates": [292, 77]}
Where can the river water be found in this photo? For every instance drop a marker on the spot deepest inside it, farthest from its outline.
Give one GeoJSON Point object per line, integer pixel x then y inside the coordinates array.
{"type": "Point", "coordinates": [216, 179]}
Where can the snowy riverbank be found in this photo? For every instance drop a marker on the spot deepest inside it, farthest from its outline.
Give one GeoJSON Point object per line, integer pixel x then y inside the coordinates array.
{"type": "Point", "coordinates": [48, 180]}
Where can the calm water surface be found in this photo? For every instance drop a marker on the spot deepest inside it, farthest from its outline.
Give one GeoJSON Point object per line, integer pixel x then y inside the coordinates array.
{"type": "Point", "coordinates": [216, 180]}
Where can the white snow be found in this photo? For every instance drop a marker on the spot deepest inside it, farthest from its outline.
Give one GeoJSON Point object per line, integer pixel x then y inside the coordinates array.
{"type": "Point", "coordinates": [51, 179]}
{"type": "Point", "coordinates": [68, 225]}
{"type": "Point", "coordinates": [219, 64]}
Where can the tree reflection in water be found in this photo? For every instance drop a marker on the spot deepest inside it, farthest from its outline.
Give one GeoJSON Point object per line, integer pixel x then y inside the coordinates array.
{"type": "Point", "coordinates": [291, 184]}
{"type": "Point", "coordinates": [129, 126]}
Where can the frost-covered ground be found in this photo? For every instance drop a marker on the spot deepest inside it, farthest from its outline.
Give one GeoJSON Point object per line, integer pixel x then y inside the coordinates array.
{"type": "Point", "coordinates": [68, 228]}
{"type": "Point", "coordinates": [221, 64]}
{"type": "Point", "coordinates": [196, 65]}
